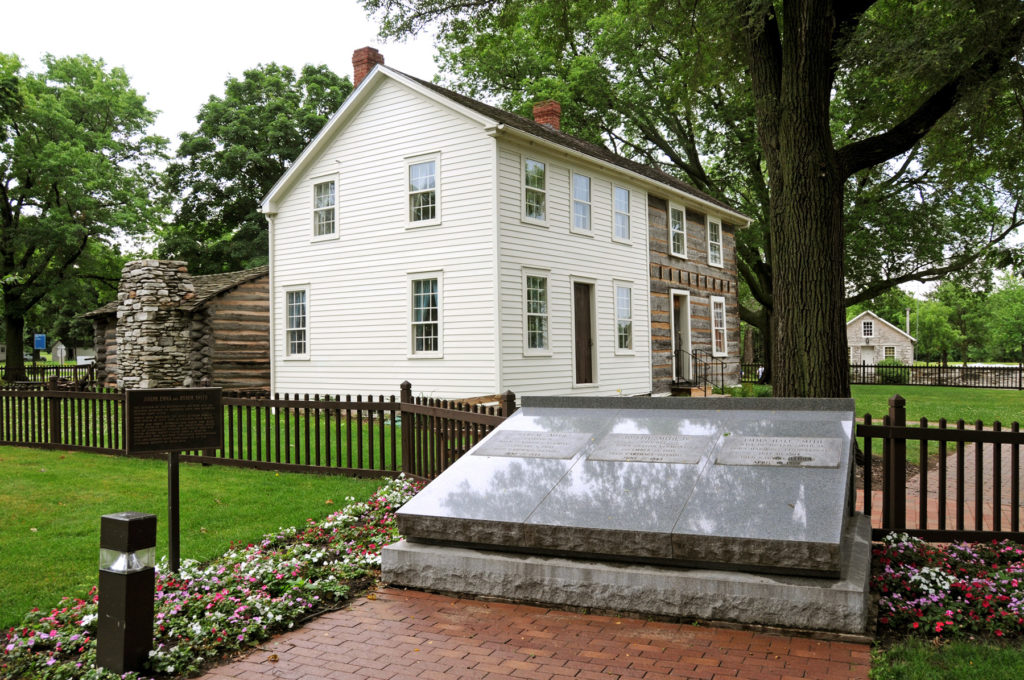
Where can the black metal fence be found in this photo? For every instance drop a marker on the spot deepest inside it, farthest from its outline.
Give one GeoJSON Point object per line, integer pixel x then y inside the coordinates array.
{"type": "Point", "coordinates": [998, 377]}
{"type": "Point", "coordinates": [41, 372]}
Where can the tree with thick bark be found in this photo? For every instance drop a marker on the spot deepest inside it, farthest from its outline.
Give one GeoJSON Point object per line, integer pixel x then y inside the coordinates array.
{"type": "Point", "coordinates": [76, 180]}
{"type": "Point", "coordinates": [790, 110]}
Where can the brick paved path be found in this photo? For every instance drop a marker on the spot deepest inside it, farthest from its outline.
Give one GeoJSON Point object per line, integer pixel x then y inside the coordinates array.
{"type": "Point", "coordinates": [402, 635]}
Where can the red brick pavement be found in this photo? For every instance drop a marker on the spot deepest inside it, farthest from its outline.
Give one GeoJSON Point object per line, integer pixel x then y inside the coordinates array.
{"type": "Point", "coordinates": [402, 635]}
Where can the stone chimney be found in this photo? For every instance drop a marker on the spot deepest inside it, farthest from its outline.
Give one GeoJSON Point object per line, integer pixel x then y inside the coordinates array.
{"type": "Point", "coordinates": [153, 346]}
{"type": "Point", "coordinates": [363, 61]}
{"type": "Point", "coordinates": [548, 113]}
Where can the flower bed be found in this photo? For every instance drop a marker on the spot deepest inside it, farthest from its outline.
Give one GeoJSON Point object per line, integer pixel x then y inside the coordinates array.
{"type": "Point", "coordinates": [961, 588]}
{"type": "Point", "coordinates": [237, 600]}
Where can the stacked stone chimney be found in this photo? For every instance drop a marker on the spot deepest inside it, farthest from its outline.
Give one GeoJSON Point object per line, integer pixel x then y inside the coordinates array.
{"type": "Point", "coordinates": [153, 347]}
{"type": "Point", "coordinates": [363, 61]}
{"type": "Point", "coordinates": [548, 113]}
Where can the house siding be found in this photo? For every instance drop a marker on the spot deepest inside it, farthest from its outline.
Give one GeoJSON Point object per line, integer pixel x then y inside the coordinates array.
{"type": "Point", "coordinates": [700, 280]}
{"type": "Point", "coordinates": [359, 306]}
{"type": "Point", "coordinates": [239, 332]}
{"type": "Point", "coordinates": [564, 256]}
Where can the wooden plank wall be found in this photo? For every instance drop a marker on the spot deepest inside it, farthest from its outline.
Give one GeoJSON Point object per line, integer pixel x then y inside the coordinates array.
{"type": "Point", "coordinates": [238, 323]}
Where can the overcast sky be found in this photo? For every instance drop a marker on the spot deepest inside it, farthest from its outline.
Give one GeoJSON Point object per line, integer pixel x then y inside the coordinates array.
{"type": "Point", "coordinates": [180, 53]}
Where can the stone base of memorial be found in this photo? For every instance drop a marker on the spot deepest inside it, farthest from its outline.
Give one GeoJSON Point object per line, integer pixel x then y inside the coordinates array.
{"type": "Point", "coordinates": [736, 510]}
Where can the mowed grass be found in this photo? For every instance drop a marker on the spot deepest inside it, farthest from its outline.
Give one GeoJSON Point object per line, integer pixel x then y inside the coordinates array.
{"type": "Point", "coordinates": [916, 659]}
{"type": "Point", "coordinates": [950, 403]}
{"type": "Point", "coordinates": [52, 502]}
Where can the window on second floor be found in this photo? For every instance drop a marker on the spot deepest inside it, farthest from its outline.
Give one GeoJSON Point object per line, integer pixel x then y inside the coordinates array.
{"type": "Point", "coordinates": [535, 190]}
{"type": "Point", "coordinates": [718, 337]}
{"type": "Point", "coordinates": [580, 202]}
{"type": "Point", "coordinates": [620, 198]}
{"type": "Point", "coordinates": [868, 329]}
{"type": "Point", "coordinates": [714, 242]}
{"type": "Point", "coordinates": [423, 191]}
{"type": "Point", "coordinates": [324, 208]}
{"type": "Point", "coordinates": [677, 231]}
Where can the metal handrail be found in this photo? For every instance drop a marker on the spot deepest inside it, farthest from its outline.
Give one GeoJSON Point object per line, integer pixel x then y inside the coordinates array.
{"type": "Point", "coordinates": [704, 368]}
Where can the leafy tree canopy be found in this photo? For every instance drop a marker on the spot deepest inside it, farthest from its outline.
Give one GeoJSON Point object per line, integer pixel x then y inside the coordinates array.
{"type": "Point", "coordinates": [1006, 307]}
{"type": "Point", "coordinates": [76, 179]}
{"type": "Point", "coordinates": [878, 143]}
{"type": "Point", "coordinates": [245, 141]}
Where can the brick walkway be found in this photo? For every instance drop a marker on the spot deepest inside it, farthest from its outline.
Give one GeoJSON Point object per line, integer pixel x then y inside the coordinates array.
{"type": "Point", "coordinates": [401, 635]}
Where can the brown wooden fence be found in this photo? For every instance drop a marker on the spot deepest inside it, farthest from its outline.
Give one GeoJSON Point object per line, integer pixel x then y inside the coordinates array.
{"type": "Point", "coordinates": [333, 434]}
{"type": "Point", "coordinates": [969, 482]}
{"type": "Point", "coordinates": [43, 372]}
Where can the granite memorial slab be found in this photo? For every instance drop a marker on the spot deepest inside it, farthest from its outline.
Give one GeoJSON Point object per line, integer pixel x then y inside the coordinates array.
{"type": "Point", "coordinates": [745, 484]}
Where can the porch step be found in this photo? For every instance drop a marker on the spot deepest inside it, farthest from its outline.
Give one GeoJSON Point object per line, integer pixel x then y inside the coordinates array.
{"type": "Point", "coordinates": [687, 390]}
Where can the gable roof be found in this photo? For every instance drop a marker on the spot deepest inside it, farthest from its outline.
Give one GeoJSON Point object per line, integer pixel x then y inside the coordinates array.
{"type": "Point", "coordinates": [492, 116]}
{"type": "Point", "coordinates": [875, 317]}
{"type": "Point", "coordinates": [207, 287]}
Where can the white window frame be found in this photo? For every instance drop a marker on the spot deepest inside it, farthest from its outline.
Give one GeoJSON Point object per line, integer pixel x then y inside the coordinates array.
{"type": "Point", "coordinates": [333, 179]}
{"type": "Point", "coordinates": [616, 212]}
{"type": "Point", "coordinates": [713, 261]}
{"type": "Point", "coordinates": [434, 158]}
{"type": "Point", "coordinates": [411, 278]}
{"type": "Point", "coordinates": [286, 317]}
{"type": "Point", "coordinates": [717, 351]}
{"type": "Point", "coordinates": [589, 203]}
{"type": "Point", "coordinates": [536, 351]}
{"type": "Point", "coordinates": [617, 310]}
{"type": "Point", "coordinates": [867, 329]}
{"type": "Point", "coordinates": [671, 230]}
{"type": "Point", "coordinates": [547, 206]}
{"type": "Point", "coordinates": [885, 352]}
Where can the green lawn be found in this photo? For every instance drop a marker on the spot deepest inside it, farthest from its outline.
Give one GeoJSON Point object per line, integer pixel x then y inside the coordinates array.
{"type": "Point", "coordinates": [950, 403]}
{"type": "Point", "coordinates": [52, 502]}
{"type": "Point", "coordinates": [915, 659]}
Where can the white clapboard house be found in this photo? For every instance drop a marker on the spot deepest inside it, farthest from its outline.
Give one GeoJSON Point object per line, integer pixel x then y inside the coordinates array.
{"type": "Point", "coordinates": [428, 237]}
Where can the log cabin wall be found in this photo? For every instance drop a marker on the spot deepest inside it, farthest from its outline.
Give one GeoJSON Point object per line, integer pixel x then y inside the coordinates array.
{"type": "Point", "coordinates": [105, 342]}
{"type": "Point", "coordinates": [237, 344]}
{"type": "Point", "coordinates": [694, 275]}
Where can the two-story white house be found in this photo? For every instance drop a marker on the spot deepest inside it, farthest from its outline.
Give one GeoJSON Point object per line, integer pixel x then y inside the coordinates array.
{"type": "Point", "coordinates": [428, 237]}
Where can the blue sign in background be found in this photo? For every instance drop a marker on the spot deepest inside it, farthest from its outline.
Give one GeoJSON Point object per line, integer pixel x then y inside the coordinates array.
{"type": "Point", "coordinates": [39, 341]}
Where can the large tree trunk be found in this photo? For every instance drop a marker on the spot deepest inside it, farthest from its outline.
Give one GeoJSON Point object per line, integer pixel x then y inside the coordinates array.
{"type": "Point", "coordinates": [15, 330]}
{"type": "Point", "coordinates": [792, 81]}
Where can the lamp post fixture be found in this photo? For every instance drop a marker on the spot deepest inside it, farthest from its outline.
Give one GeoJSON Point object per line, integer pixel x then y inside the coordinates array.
{"type": "Point", "coordinates": [124, 633]}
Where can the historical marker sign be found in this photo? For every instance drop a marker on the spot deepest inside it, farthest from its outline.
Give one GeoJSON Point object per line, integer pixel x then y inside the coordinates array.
{"type": "Point", "coordinates": [520, 444]}
{"type": "Point", "coordinates": [176, 419]}
{"type": "Point", "coordinates": [651, 448]}
{"type": "Point", "coordinates": [781, 451]}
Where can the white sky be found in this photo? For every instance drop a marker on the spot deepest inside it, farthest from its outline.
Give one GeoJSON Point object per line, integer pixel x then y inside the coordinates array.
{"type": "Point", "coordinates": [180, 53]}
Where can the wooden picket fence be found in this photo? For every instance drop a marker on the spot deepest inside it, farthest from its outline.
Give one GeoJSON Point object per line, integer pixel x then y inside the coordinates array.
{"type": "Point", "coordinates": [330, 434]}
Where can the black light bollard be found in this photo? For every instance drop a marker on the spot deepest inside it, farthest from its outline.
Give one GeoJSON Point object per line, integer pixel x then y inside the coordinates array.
{"type": "Point", "coordinates": [124, 634]}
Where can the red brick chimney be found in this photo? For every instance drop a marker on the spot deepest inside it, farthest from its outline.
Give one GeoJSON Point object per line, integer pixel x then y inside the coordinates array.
{"type": "Point", "coordinates": [363, 61]}
{"type": "Point", "coordinates": [548, 113]}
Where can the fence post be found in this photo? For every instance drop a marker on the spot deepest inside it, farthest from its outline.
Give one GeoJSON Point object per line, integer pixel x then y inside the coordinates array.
{"type": "Point", "coordinates": [897, 490]}
{"type": "Point", "coordinates": [53, 412]}
{"type": "Point", "coordinates": [508, 403]}
{"type": "Point", "coordinates": [408, 454]}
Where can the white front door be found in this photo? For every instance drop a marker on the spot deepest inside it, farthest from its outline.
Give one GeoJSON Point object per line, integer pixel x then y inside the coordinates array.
{"type": "Point", "coordinates": [867, 354]}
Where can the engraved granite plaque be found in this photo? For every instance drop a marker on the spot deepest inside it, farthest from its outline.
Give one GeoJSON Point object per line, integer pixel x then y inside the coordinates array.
{"type": "Point", "coordinates": [651, 448]}
{"type": "Point", "coordinates": [520, 444]}
{"type": "Point", "coordinates": [823, 452]}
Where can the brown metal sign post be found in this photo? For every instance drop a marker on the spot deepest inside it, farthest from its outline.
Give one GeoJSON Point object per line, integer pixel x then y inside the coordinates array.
{"type": "Point", "coordinates": [173, 420]}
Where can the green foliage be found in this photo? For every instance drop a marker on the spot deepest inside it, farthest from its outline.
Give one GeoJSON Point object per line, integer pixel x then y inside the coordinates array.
{"type": "Point", "coordinates": [1006, 315]}
{"type": "Point", "coordinates": [892, 372]}
{"type": "Point", "coordinates": [937, 337]}
{"type": "Point", "coordinates": [916, 659]}
{"type": "Point", "coordinates": [245, 141]}
{"type": "Point", "coordinates": [76, 180]}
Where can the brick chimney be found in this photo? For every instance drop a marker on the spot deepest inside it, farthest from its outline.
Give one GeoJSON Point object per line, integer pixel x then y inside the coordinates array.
{"type": "Point", "coordinates": [548, 113]}
{"type": "Point", "coordinates": [363, 61]}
